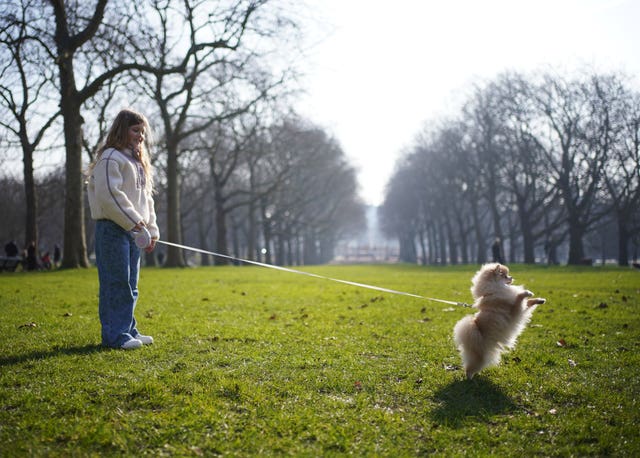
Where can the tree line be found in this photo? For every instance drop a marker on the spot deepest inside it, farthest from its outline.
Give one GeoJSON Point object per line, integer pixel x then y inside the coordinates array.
{"type": "Point", "coordinates": [539, 162]}
{"type": "Point", "coordinates": [236, 167]}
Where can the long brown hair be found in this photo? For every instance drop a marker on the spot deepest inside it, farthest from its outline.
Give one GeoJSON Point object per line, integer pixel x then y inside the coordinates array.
{"type": "Point", "coordinates": [118, 136]}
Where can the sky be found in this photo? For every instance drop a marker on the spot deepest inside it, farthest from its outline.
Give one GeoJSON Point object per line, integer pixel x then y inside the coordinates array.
{"type": "Point", "coordinates": [378, 70]}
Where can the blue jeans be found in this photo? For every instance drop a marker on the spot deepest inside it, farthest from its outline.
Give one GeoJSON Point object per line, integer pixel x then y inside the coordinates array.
{"type": "Point", "coordinates": [118, 261]}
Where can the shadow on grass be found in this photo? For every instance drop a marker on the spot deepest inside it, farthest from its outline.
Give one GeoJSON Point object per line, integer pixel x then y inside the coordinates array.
{"type": "Point", "coordinates": [45, 354]}
{"type": "Point", "coordinates": [475, 400]}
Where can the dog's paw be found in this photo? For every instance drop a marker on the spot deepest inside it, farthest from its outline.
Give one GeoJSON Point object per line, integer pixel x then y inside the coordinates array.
{"type": "Point", "coordinates": [536, 301]}
{"type": "Point", "coordinates": [527, 293]}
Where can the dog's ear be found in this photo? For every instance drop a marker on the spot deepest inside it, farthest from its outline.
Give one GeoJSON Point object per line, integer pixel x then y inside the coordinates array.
{"type": "Point", "coordinates": [497, 270]}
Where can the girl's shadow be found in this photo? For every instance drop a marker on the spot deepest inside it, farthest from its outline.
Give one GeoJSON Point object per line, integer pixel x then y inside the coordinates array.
{"type": "Point", "coordinates": [45, 354]}
{"type": "Point", "coordinates": [476, 399]}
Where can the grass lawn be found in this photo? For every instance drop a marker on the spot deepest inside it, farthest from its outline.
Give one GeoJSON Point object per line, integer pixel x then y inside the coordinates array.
{"type": "Point", "coordinates": [254, 362]}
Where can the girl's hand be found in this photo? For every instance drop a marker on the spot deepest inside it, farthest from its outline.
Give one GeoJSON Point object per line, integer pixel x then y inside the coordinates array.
{"type": "Point", "coordinates": [151, 246]}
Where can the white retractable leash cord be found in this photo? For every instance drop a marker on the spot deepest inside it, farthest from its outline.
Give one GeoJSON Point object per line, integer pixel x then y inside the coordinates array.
{"type": "Point", "coordinates": [143, 240]}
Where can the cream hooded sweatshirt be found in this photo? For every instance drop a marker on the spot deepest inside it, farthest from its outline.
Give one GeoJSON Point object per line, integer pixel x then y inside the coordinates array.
{"type": "Point", "coordinates": [117, 192]}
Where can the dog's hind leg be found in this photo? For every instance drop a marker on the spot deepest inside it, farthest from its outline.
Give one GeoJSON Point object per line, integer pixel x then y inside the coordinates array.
{"type": "Point", "coordinates": [474, 362]}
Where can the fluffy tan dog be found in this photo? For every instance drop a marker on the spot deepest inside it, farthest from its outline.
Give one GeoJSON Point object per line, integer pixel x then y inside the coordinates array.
{"type": "Point", "coordinates": [503, 312]}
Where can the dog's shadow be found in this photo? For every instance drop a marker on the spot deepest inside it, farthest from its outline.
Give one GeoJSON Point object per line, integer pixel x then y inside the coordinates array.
{"type": "Point", "coordinates": [464, 400]}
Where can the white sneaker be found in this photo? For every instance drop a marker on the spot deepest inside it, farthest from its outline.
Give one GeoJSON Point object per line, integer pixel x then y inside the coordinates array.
{"type": "Point", "coordinates": [146, 340]}
{"type": "Point", "coordinates": [131, 344]}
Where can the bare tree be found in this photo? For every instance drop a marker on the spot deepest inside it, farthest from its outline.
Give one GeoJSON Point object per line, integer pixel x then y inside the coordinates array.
{"type": "Point", "coordinates": [576, 146]}
{"type": "Point", "coordinates": [622, 173]}
{"type": "Point", "coordinates": [400, 209]}
{"type": "Point", "coordinates": [538, 153]}
{"type": "Point", "coordinates": [221, 78]}
{"type": "Point", "coordinates": [87, 49]}
{"type": "Point", "coordinates": [526, 171]}
{"type": "Point", "coordinates": [482, 117]}
{"type": "Point", "coordinates": [315, 203]}
{"type": "Point", "coordinates": [24, 85]}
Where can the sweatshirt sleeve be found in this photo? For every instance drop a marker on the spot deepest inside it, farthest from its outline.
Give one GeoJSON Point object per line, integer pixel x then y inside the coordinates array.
{"type": "Point", "coordinates": [115, 204]}
{"type": "Point", "coordinates": [152, 224]}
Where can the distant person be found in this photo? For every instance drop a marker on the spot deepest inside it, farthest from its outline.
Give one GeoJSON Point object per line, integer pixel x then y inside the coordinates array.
{"type": "Point", "coordinates": [57, 255]}
{"type": "Point", "coordinates": [46, 260]}
{"type": "Point", "coordinates": [120, 196]}
{"type": "Point", "coordinates": [11, 249]}
{"type": "Point", "coordinates": [32, 256]}
{"type": "Point", "coordinates": [551, 249]}
{"type": "Point", "coordinates": [496, 250]}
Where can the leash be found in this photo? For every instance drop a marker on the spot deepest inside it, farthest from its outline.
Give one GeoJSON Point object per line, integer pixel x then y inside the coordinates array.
{"type": "Point", "coordinates": [144, 239]}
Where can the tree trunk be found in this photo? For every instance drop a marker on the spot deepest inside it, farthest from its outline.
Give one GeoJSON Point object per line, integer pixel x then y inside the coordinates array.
{"type": "Point", "coordinates": [309, 251]}
{"type": "Point", "coordinates": [74, 244]}
{"type": "Point", "coordinates": [235, 239]}
{"type": "Point", "coordinates": [464, 244]}
{"type": "Point", "coordinates": [623, 240]}
{"type": "Point", "coordinates": [433, 257]}
{"type": "Point", "coordinates": [453, 246]}
{"type": "Point", "coordinates": [31, 228]}
{"type": "Point", "coordinates": [327, 250]}
{"type": "Point", "coordinates": [481, 255]}
{"type": "Point", "coordinates": [221, 229]}
{"type": "Point", "coordinates": [407, 247]}
{"type": "Point", "coordinates": [266, 232]}
{"type": "Point", "coordinates": [423, 247]}
{"type": "Point", "coordinates": [493, 206]}
{"type": "Point", "coordinates": [527, 238]}
{"type": "Point", "coordinates": [576, 249]}
{"type": "Point", "coordinates": [252, 232]}
{"type": "Point", "coordinates": [205, 259]}
{"type": "Point", "coordinates": [175, 256]}
{"type": "Point", "coordinates": [442, 244]}
{"type": "Point", "coordinates": [280, 255]}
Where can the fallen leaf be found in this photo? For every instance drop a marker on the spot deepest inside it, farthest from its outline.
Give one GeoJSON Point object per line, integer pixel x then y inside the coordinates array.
{"type": "Point", "coordinates": [553, 411]}
{"type": "Point", "coordinates": [28, 325]}
{"type": "Point", "coordinates": [572, 363]}
{"type": "Point", "coordinates": [68, 314]}
{"type": "Point", "coordinates": [561, 343]}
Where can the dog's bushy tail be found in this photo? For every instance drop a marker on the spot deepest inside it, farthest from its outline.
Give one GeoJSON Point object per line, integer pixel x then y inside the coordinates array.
{"type": "Point", "coordinates": [476, 352]}
{"type": "Point", "coordinates": [466, 334]}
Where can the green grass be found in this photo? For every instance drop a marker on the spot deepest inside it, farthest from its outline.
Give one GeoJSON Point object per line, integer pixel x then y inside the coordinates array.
{"type": "Point", "coordinates": [249, 361]}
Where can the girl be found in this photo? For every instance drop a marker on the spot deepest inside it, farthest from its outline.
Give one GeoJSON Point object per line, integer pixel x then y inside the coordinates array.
{"type": "Point", "coordinates": [120, 189]}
